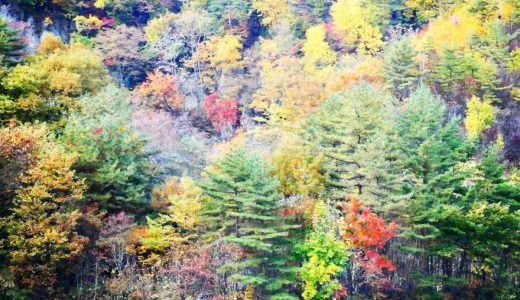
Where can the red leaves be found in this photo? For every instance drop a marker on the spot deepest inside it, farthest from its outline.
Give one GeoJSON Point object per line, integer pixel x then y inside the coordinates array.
{"type": "Point", "coordinates": [107, 22]}
{"type": "Point", "coordinates": [365, 228]}
{"type": "Point", "coordinates": [221, 112]}
{"type": "Point", "coordinates": [369, 233]}
{"type": "Point", "coordinates": [97, 131]}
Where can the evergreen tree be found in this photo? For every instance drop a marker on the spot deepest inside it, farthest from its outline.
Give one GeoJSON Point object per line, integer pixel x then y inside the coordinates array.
{"type": "Point", "coordinates": [355, 132]}
{"type": "Point", "coordinates": [423, 115]}
{"type": "Point", "coordinates": [400, 68]}
{"type": "Point", "coordinates": [243, 211]}
{"type": "Point", "coordinates": [229, 10]}
{"type": "Point", "coordinates": [11, 44]}
{"type": "Point", "coordinates": [450, 71]}
{"type": "Point", "coordinates": [111, 158]}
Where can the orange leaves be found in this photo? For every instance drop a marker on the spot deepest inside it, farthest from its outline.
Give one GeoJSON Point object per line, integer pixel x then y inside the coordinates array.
{"type": "Point", "coordinates": [162, 91]}
{"type": "Point", "coordinates": [365, 228]}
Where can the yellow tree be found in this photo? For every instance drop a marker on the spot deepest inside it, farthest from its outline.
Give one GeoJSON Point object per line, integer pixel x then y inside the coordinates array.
{"type": "Point", "coordinates": [357, 24]}
{"type": "Point", "coordinates": [318, 57]}
{"type": "Point", "coordinates": [273, 11]}
{"type": "Point", "coordinates": [40, 228]}
{"type": "Point", "coordinates": [216, 57]}
{"type": "Point", "coordinates": [479, 117]}
{"type": "Point", "coordinates": [287, 92]}
{"type": "Point", "coordinates": [50, 84]}
{"type": "Point", "coordinates": [179, 223]}
{"type": "Point", "coordinates": [299, 171]}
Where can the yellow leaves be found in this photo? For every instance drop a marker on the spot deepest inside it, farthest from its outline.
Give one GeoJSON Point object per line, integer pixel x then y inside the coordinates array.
{"type": "Point", "coordinates": [318, 57]}
{"type": "Point", "coordinates": [369, 69]}
{"type": "Point", "coordinates": [41, 230]}
{"type": "Point", "coordinates": [48, 21]}
{"type": "Point", "coordinates": [357, 25]}
{"type": "Point", "coordinates": [298, 169]}
{"type": "Point", "coordinates": [49, 43]}
{"type": "Point", "coordinates": [453, 30]}
{"type": "Point", "coordinates": [85, 23]}
{"type": "Point", "coordinates": [180, 222]}
{"type": "Point", "coordinates": [221, 53]}
{"type": "Point", "coordinates": [66, 82]}
{"type": "Point", "coordinates": [479, 117]}
{"type": "Point", "coordinates": [100, 3]}
{"type": "Point", "coordinates": [272, 11]}
{"type": "Point", "coordinates": [157, 26]}
{"type": "Point", "coordinates": [287, 91]}
{"type": "Point", "coordinates": [226, 52]}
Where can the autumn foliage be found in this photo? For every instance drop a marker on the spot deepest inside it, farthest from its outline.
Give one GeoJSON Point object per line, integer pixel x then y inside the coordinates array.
{"type": "Point", "coordinates": [221, 112]}
{"type": "Point", "coordinates": [162, 91]}
{"type": "Point", "coordinates": [369, 235]}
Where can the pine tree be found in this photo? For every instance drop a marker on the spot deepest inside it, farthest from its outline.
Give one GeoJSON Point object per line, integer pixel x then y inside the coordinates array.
{"type": "Point", "coordinates": [11, 44]}
{"type": "Point", "coordinates": [243, 211]}
{"type": "Point", "coordinates": [400, 68]}
{"type": "Point", "coordinates": [111, 158]}
{"type": "Point", "coordinates": [450, 71]}
{"type": "Point", "coordinates": [354, 131]}
{"type": "Point", "coordinates": [423, 116]}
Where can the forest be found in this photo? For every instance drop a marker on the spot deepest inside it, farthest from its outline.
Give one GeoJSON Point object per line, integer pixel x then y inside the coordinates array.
{"type": "Point", "coordinates": [263, 149]}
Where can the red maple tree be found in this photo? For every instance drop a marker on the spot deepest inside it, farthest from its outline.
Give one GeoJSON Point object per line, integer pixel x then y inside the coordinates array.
{"type": "Point", "coordinates": [221, 112]}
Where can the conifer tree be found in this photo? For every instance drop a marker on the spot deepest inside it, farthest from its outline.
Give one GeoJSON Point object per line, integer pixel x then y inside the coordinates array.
{"type": "Point", "coordinates": [355, 132]}
{"type": "Point", "coordinates": [400, 68]}
{"type": "Point", "coordinates": [423, 116]}
{"type": "Point", "coordinates": [243, 211]}
{"type": "Point", "coordinates": [450, 71]}
{"type": "Point", "coordinates": [11, 44]}
{"type": "Point", "coordinates": [111, 158]}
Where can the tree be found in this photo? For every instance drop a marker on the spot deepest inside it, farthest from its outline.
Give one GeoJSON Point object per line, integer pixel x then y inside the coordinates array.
{"type": "Point", "coordinates": [299, 171]}
{"type": "Point", "coordinates": [221, 112]}
{"type": "Point", "coordinates": [367, 234]}
{"type": "Point", "coordinates": [422, 117]}
{"type": "Point", "coordinates": [179, 221]}
{"type": "Point", "coordinates": [357, 23]}
{"type": "Point", "coordinates": [450, 71]}
{"type": "Point", "coordinates": [464, 215]}
{"type": "Point", "coordinates": [40, 226]}
{"type": "Point", "coordinates": [162, 91]}
{"type": "Point", "coordinates": [318, 57]}
{"type": "Point", "coordinates": [215, 58]}
{"type": "Point", "coordinates": [325, 256]}
{"type": "Point", "coordinates": [174, 38]}
{"type": "Point", "coordinates": [272, 11]}
{"type": "Point", "coordinates": [110, 156]}
{"type": "Point", "coordinates": [400, 68]}
{"type": "Point", "coordinates": [353, 131]}
{"type": "Point", "coordinates": [286, 102]}
{"type": "Point", "coordinates": [229, 11]}
{"type": "Point", "coordinates": [428, 10]}
{"type": "Point", "coordinates": [243, 210]}
{"type": "Point", "coordinates": [120, 48]}
{"type": "Point", "coordinates": [318, 6]}
{"type": "Point", "coordinates": [47, 88]}
{"type": "Point", "coordinates": [479, 117]}
{"type": "Point", "coordinates": [12, 45]}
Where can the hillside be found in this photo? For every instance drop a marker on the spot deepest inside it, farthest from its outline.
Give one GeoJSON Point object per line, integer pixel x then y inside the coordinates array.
{"type": "Point", "coordinates": [264, 149]}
